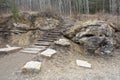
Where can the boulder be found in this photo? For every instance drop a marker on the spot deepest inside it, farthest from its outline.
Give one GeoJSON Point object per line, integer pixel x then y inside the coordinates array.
{"type": "Point", "coordinates": [62, 42]}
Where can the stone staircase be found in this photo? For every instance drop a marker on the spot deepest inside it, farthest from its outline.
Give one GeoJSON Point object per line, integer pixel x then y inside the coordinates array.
{"type": "Point", "coordinates": [45, 42]}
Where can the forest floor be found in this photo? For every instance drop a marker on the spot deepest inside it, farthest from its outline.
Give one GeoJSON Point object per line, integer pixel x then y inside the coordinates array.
{"type": "Point", "coordinates": [62, 65]}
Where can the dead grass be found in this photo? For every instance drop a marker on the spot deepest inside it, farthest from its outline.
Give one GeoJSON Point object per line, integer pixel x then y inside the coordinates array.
{"type": "Point", "coordinates": [98, 16]}
{"type": "Point", "coordinates": [77, 48]}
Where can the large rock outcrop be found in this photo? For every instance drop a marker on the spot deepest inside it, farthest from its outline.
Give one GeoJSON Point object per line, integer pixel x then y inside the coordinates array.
{"type": "Point", "coordinates": [96, 36]}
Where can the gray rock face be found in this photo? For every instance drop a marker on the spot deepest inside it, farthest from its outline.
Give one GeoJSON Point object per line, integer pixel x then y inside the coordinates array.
{"type": "Point", "coordinates": [96, 36]}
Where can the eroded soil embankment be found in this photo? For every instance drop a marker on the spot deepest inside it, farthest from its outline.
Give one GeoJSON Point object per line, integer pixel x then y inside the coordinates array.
{"type": "Point", "coordinates": [26, 28]}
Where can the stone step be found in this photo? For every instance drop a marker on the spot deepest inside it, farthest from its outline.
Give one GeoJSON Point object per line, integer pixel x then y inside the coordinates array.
{"type": "Point", "coordinates": [37, 46]}
{"type": "Point", "coordinates": [53, 33]}
{"type": "Point", "coordinates": [54, 39]}
{"type": "Point", "coordinates": [45, 40]}
{"type": "Point", "coordinates": [46, 37]}
{"type": "Point", "coordinates": [30, 52]}
{"type": "Point", "coordinates": [43, 44]}
{"type": "Point", "coordinates": [33, 49]}
{"type": "Point", "coordinates": [51, 36]}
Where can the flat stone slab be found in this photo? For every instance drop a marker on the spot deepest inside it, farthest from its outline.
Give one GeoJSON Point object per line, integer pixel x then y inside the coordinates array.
{"type": "Point", "coordinates": [83, 63]}
{"type": "Point", "coordinates": [43, 43]}
{"type": "Point", "coordinates": [30, 52]}
{"type": "Point", "coordinates": [62, 42]}
{"type": "Point", "coordinates": [48, 53]}
{"type": "Point", "coordinates": [37, 46]}
{"type": "Point", "coordinates": [32, 66]}
{"type": "Point", "coordinates": [33, 49]}
{"type": "Point", "coordinates": [9, 49]}
{"type": "Point", "coordinates": [41, 40]}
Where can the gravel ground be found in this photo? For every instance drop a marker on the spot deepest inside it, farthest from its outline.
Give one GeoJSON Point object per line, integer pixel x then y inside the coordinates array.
{"type": "Point", "coordinates": [62, 66]}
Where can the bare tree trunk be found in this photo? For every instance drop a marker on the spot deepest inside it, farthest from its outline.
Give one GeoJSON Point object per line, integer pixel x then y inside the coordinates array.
{"type": "Point", "coordinates": [67, 6]}
{"type": "Point", "coordinates": [87, 5]}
